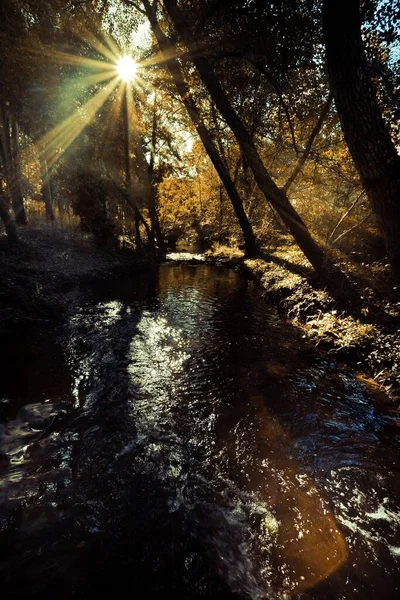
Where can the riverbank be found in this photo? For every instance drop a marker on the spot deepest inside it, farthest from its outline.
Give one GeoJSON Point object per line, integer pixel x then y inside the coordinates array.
{"type": "Point", "coordinates": [37, 279]}
{"type": "Point", "coordinates": [365, 337]}
{"type": "Point", "coordinates": [37, 275]}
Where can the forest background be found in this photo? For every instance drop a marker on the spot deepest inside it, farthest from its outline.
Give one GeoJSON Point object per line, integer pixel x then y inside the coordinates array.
{"type": "Point", "coordinates": [254, 86]}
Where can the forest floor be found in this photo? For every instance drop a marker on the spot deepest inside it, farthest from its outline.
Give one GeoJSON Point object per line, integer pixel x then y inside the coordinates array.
{"type": "Point", "coordinates": [364, 333]}
{"type": "Point", "coordinates": [38, 273]}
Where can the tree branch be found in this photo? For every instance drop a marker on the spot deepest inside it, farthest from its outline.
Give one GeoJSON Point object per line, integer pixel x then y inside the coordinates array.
{"type": "Point", "coordinates": [342, 218]}
{"type": "Point", "coordinates": [253, 61]}
{"type": "Point", "coordinates": [304, 155]}
{"type": "Point", "coordinates": [364, 220]}
{"type": "Point", "coordinates": [134, 5]}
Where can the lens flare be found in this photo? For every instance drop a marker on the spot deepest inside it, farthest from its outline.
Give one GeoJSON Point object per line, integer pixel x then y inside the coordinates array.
{"type": "Point", "coordinates": [126, 68]}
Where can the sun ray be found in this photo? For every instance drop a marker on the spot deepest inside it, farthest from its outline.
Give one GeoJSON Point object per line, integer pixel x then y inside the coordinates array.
{"type": "Point", "coordinates": [143, 84]}
{"type": "Point", "coordinates": [64, 58]}
{"type": "Point", "coordinates": [90, 80]}
{"type": "Point", "coordinates": [162, 57]}
{"type": "Point", "coordinates": [121, 70]}
{"type": "Point", "coordinates": [53, 145]}
{"type": "Point", "coordinates": [111, 53]}
{"type": "Point", "coordinates": [115, 51]}
{"type": "Point", "coordinates": [115, 112]}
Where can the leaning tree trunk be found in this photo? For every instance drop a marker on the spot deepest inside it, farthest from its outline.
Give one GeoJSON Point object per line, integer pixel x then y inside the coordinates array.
{"type": "Point", "coordinates": [332, 276]}
{"type": "Point", "coordinates": [366, 135]}
{"type": "Point", "coordinates": [46, 191]}
{"type": "Point", "coordinates": [168, 49]}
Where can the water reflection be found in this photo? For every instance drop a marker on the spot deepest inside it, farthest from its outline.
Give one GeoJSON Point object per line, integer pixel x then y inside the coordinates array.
{"type": "Point", "coordinates": [217, 456]}
{"type": "Point", "coordinates": [200, 366]}
{"type": "Point", "coordinates": [248, 442]}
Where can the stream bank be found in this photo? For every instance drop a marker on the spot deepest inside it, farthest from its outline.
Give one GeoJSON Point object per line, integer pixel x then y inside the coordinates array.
{"type": "Point", "coordinates": [39, 274]}
{"type": "Point", "coordinates": [366, 338]}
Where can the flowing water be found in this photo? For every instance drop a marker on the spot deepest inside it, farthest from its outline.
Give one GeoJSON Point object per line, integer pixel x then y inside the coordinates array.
{"type": "Point", "coordinates": [190, 444]}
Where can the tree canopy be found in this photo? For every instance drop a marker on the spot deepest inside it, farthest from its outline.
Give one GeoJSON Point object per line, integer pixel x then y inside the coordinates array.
{"type": "Point", "coordinates": [236, 127]}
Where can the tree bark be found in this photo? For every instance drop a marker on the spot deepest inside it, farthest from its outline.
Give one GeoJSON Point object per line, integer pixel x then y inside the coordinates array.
{"type": "Point", "coordinates": [9, 225]}
{"type": "Point", "coordinates": [323, 266]}
{"type": "Point", "coordinates": [152, 200]}
{"type": "Point", "coordinates": [366, 135]}
{"type": "Point", "coordinates": [167, 47]}
{"type": "Point", "coordinates": [9, 154]}
{"type": "Point", "coordinates": [46, 191]}
{"type": "Point", "coordinates": [15, 185]}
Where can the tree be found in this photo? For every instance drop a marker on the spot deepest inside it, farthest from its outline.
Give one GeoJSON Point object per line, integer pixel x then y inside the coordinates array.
{"type": "Point", "coordinates": [9, 225]}
{"type": "Point", "coordinates": [365, 132]}
{"type": "Point", "coordinates": [46, 189]}
{"type": "Point", "coordinates": [274, 195]}
{"type": "Point", "coordinates": [169, 51]}
{"type": "Point", "coordinates": [11, 160]}
{"type": "Point", "coordinates": [91, 204]}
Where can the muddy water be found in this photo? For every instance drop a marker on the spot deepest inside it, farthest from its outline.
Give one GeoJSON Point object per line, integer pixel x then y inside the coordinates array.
{"type": "Point", "coordinates": [186, 443]}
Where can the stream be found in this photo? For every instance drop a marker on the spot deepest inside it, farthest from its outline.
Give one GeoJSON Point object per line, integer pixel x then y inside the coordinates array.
{"type": "Point", "coordinates": [177, 439]}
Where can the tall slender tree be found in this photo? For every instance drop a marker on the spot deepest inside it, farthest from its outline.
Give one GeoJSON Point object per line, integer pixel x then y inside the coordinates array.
{"type": "Point", "coordinates": [8, 222]}
{"type": "Point", "coordinates": [169, 50]}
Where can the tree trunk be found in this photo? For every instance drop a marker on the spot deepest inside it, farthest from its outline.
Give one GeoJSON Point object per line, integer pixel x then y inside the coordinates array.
{"type": "Point", "coordinates": [168, 49]}
{"type": "Point", "coordinates": [332, 276]}
{"type": "Point", "coordinates": [9, 225]}
{"type": "Point", "coordinates": [144, 173]}
{"type": "Point", "coordinates": [366, 135]}
{"type": "Point", "coordinates": [9, 154]}
{"type": "Point", "coordinates": [46, 191]}
{"type": "Point", "coordinates": [15, 185]}
{"type": "Point", "coordinates": [138, 236]}
{"type": "Point", "coordinates": [155, 221]}
{"type": "Point", "coordinates": [138, 217]}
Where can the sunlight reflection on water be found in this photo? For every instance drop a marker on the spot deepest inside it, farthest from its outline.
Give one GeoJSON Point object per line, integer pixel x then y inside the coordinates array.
{"type": "Point", "coordinates": [264, 452]}
{"type": "Point", "coordinates": [185, 256]}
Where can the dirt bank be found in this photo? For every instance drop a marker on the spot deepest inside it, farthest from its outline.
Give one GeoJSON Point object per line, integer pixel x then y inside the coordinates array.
{"type": "Point", "coordinates": [37, 275]}
{"type": "Point", "coordinates": [364, 335]}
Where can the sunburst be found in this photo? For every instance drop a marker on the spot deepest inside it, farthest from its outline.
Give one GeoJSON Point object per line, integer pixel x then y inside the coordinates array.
{"type": "Point", "coordinates": [117, 69]}
{"type": "Point", "coordinates": [127, 68]}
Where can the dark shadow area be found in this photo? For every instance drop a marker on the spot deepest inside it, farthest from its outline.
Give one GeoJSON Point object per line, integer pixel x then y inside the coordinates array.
{"type": "Point", "coordinates": [205, 434]}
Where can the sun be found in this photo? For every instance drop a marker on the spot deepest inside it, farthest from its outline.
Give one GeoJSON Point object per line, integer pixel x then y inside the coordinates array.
{"type": "Point", "coordinates": [126, 68]}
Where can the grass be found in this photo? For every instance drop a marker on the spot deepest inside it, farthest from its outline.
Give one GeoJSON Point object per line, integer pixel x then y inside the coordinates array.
{"type": "Point", "coordinates": [365, 335]}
